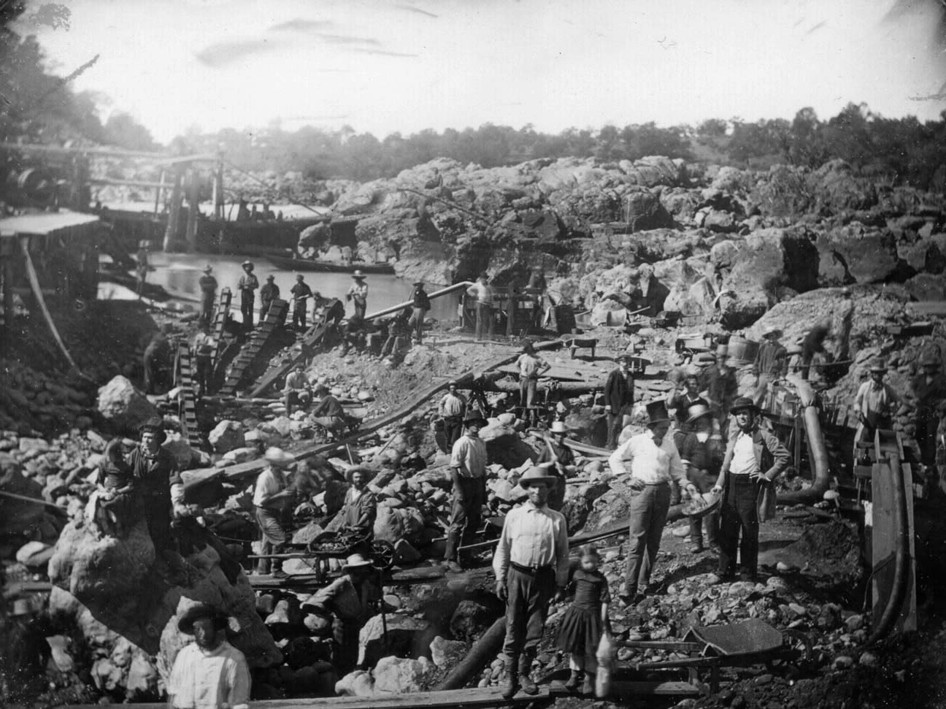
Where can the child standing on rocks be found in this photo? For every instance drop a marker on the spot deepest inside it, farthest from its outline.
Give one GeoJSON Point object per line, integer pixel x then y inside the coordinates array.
{"type": "Point", "coordinates": [584, 621]}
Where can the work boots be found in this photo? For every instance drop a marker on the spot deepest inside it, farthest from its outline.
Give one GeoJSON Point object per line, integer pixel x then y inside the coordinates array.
{"type": "Point", "coordinates": [525, 668]}
{"type": "Point", "coordinates": [510, 682]}
{"type": "Point", "coordinates": [573, 680]}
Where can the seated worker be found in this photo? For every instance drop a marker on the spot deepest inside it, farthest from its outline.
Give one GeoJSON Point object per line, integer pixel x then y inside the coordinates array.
{"type": "Point", "coordinates": [297, 389]}
{"type": "Point", "coordinates": [354, 333]}
{"type": "Point", "coordinates": [398, 328]}
{"type": "Point", "coordinates": [360, 508]}
{"type": "Point", "coordinates": [328, 413]}
{"type": "Point", "coordinates": [116, 506]}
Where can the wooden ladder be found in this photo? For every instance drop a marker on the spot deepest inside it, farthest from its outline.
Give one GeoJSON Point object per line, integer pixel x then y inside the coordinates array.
{"type": "Point", "coordinates": [188, 400]}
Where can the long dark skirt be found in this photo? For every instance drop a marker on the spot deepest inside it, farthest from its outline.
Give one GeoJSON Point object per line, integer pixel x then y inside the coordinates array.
{"type": "Point", "coordinates": [580, 631]}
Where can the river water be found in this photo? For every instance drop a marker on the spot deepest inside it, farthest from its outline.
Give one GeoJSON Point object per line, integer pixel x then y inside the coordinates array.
{"type": "Point", "coordinates": [179, 274]}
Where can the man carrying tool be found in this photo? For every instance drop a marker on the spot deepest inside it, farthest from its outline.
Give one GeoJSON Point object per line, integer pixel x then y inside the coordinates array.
{"type": "Point", "coordinates": [208, 295]}
{"type": "Point", "coordinates": [754, 458]}
{"type": "Point", "coordinates": [531, 567]}
{"type": "Point", "coordinates": [452, 410]}
{"type": "Point", "coordinates": [267, 294]}
{"type": "Point", "coordinates": [247, 286]}
{"type": "Point", "coordinates": [468, 470]}
{"type": "Point", "coordinates": [618, 398]}
{"type": "Point", "coordinates": [297, 389]}
{"type": "Point", "coordinates": [654, 465]}
{"type": "Point", "coordinates": [300, 301]}
{"type": "Point", "coordinates": [875, 404]}
{"type": "Point", "coordinates": [273, 500]}
{"type": "Point", "coordinates": [561, 462]}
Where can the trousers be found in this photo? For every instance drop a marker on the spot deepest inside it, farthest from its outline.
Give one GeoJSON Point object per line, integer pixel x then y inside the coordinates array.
{"type": "Point", "coordinates": [418, 321]}
{"type": "Point", "coordinates": [452, 429]}
{"type": "Point", "coordinates": [649, 509]}
{"type": "Point", "coordinates": [247, 300]}
{"type": "Point", "coordinates": [466, 515]}
{"type": "Point", "coordinates": [527, 389]}
{"type": "Point", "coordinates": [273, 537]}
{"type": "Point", "coordinates": [739, 513]}
{"type": "Point", "coordinates": [484, 321]}
{"type": "Point", "coordinates": [527, 607]}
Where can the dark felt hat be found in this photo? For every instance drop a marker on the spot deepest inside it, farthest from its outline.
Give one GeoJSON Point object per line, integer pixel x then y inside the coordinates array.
{"type": "Point", "coordinates": [657, 412]}
{"type": "Point", "coordinates": [201, 610]}
{"type": "Point", "coordinates": [474, 416]}
{"type": "Point", "coordinates": [743, 403]}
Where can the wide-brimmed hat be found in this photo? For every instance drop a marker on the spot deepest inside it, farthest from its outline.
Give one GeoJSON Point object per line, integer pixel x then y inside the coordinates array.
{"type": "Point", "coordinates": [558, 427]}
{"type": "Point", "coordinates": [537, 474]}
{"type": "Point", "coordinates": [367, 473]}
{"type": "Point", "coordinates": [270, 277]}
{"type": "Point", "coordinates": [300, 277]}
{"type": "Point", "coordinates": [355, 561]}
{"type": "Point", "coordinates": [279, 457]}
{"type": "Point", "coordinates": [507, 419]}
{"type": "Point", "coordinates": [743, 403]}
{"type": "Point", "coordinates": [474, 416]}
{"type": "Point", "coordinates": [657, 412]}
{"type": "Point", "coordinates": [248, 263]}
{"type": "Point", "coordinates": [357, 274]}
{"type": "Point", "coordinates": [623, 358]}
{"type": "Point", "coordinates": [771, 330]}
{"type": "Point", "coordinates": [698, 411]}
{"type": "Point", "coordinates": [878, 365]}
{"type": "Point", "coordinates": [418, 283]}
{"type": "Point", "coordinates": [201, 610]}
{"type": "Point", "coordinates": [208, 268]}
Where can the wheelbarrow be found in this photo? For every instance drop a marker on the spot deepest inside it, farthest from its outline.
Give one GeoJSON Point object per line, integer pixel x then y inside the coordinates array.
{"type": "Point", "coordinates": [338, 544]}
{"type": "Point", "coordinates": [751, 642]}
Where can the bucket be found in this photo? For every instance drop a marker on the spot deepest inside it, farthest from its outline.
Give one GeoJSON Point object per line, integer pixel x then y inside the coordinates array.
{"type": "Point", "coordinates": [742, 351]}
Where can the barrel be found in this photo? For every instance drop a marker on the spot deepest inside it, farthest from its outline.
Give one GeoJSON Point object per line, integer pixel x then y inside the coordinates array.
{"type": "Point", "coordinates": [742, 351]}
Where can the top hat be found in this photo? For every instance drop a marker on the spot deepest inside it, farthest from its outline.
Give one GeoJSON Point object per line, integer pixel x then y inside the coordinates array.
{"type": "Point", "coordinates": [249, 264]}
{"type": "Point", "coordinates": [201, 610]}
{"type": "Point", "coordinates": [278, 457]}
{"type": "Point", "coordinates": [657, 412]}
{"type": "Point", "coordinates": [355, 561]}
{"type": "Point", "coordinates": [698, 411]}
{"type": "Point", "coordinates": [722, 351]}
{"type": "Point", "coordinates": [743, 403]}
{"type": "Point", "coordinates": [357, 274]}
{"type": "Point", "coordinates": [537, 474]}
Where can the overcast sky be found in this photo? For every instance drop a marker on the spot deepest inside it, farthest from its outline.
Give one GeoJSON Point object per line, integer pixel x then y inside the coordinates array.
{"type": "Point", "coordinates": [406, 65]}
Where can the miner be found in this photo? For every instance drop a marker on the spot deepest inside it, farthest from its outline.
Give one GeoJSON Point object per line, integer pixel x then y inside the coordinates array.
{"type": "Point", "coordinates": [468, 470]}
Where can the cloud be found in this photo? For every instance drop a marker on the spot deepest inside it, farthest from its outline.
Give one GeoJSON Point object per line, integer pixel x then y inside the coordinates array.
{"type": "Point", "coordinates": [224, 53]}
{"type": "Point", "coordinates": [297, 24]}
{"type": "Point", "coordinates": [384, 53]}
{"type": "Point", "coordinates": [411, 8]}
{"type": "Point", "coordinates": [346, 39]}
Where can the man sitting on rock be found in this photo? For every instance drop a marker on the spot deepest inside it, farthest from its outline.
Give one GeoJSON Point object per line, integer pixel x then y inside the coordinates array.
{"type": "Point", "coordinates": [273, 499]}
{"type": "Point", "coordinates": [352, 598]}
{"type": "Point", "coordinates": [531, 567]}
{"type": "Point", "coordinates": [116, 506]}
{"type": "Point", "coordinates": [157, 478]}
{"type": "Point", "coordinates": [209, 672]}
{"type": "Point", "coordinates": [297, 389]}
{"type": "Point", "coordinates": [329, 413]}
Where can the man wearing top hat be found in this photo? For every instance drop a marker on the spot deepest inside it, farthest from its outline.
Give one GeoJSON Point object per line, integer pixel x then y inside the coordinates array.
{"type": "Point", "coordinates": [352, 599]}
{"type": "Point", "coordinates": [208, 295]}
{"type": "Point", "coordinates": [273, 499]}
{"type": "Point", "coordinates": [754, 458]}
{"type": "Point", "coordinates": [655, 467]}
{"type": "Point", "coordinates": [267, 294]}
{"type": "Point", "coordinates": [468, 470]}
{"type": "Point", "coordinates": [247, 286]}
{"type": "Point", "coordinates": [358, 294]}
{"type": "Point", "coordinates": [209, 672]}
{"type": "Point", "coordinates": [157, 480]}
{"type": "Point", "coordinates": [875, 404]}
{"type": "Point", "coordinates": [531, 567]}
{"type": "Point", "coordinates": [420, 303]}
{"type": "Point", "coordinates": [618, 398]}
{"type": "Point", "coordinates": [360, 508]}
{"type": "Point", "coordinates": [559, 460]}
{"type": "Point", "coordinates": [701, 459]}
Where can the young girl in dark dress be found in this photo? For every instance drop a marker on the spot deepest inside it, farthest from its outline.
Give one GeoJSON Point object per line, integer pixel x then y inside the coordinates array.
{"type": "Point", "coordinates": [584, 621]}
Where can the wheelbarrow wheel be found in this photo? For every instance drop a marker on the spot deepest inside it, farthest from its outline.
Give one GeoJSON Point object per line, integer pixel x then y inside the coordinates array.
{"type": "Point", "coordinates": [795, 653]}
{"type": "Point", "coordinates": [382, 554]}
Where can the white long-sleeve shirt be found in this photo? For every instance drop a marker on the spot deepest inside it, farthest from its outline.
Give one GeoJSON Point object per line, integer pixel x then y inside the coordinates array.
{"type": "Point", "coordinates": [204, 679]}
{"type": "Point", "coordinates": [533, 537]}
{"type": "Point", "coordinates": [648, 462]}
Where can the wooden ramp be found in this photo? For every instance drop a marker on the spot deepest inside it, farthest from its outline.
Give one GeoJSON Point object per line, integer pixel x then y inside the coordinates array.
{"type": "Point", "coordinates": [221, 316]}
{"type": "Point", "coordinates": [310, 340]}
{"type": "Point", "coordinates": [251, 350]}
{"type": "Point", "coordinates": [188, 394]}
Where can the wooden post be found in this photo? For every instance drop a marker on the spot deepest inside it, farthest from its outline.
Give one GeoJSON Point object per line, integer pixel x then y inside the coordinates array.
{"type": "Point", "coordinates": [510, 312]}
{"type": "Point", "coordinates": [171, 233]}
{"type": "Point", "coordinates": [158, 192]}
{"type": "Point", "coordinates": [218, 188]}
{"type": "Point", "coordinates": [193, 197]}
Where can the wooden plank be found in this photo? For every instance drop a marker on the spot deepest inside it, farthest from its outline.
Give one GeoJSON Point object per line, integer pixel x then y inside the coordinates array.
{"type": "Point", "coordinates": [627, 690]}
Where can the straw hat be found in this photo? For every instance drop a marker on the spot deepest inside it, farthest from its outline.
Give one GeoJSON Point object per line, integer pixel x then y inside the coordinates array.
{"type": "Point", "coordinates": [507, 419]}
{"type": "Point", "coordinates": [278, 457]}
{"type": "Point", "coordinates": [355, 561]}
{"type": "Point", "coordinates": [771, 330]}
{"type": "Point", "coordinates": [698, 411]}
{"type": "Point", "coordinates": [558, 427]}
{"type": "Point", "coordinates": [357, 274]}
{"type": "Point", "coordinates": [537, 474]}
{"type": "Point", "coordinates": [201, 610]}
{"type": "Point", "coordinates": [248, 264]}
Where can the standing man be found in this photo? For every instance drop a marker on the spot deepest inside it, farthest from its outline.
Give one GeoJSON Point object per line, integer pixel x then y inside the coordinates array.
{"type": "Point", "coordinates": [204, 357]}
{"type": "Point", "coordinates": [421, 303]}
{"type": "Point", "coordinates": [618, 398]}
{"type": "Point", "coordinates": [358, 294]}
{"type": "Point", "coordinates": [142, 267]}
{"type": "Point", "coordinates": [209, 672]}
{"type": "Point", "coordinates": [754, 458]}
{"type": "Point", "coordinates": [536, 288]}
{"type": "Point", "coordinates": [267, 294]}
{"type": "Point", "coordinates": [531, 567]}
{"type": "Point", "coordinates": [875, 404]}
{"type": "Point", "coordinates": [273, 500]}
{"type": "Point", "coordinates": [771, 362]}
{"type": "Point", "coordinates": [928, 394]}
{"type": "Point", "coordinates": [452, 410]}
{"type": "Point", "coordinates": [300, 301]}
{"type": "Point", "coordinates": [468, 470]}
{"type": "Point", "coordinates": [562, 462]}
{"type": "Point", "coordinates": [158, 482]}
{"type": "Point", "coordinates": [530, 367]}
{"type": "Point", "coordinates": [247, 286]}
{"type": "Point", "coordinates": [813, 344]}
{"type": "Point", "coordinates": [360, 508]}
{"type": "Point", "coordinates": [208, 295]}
{"type": "Point", "coordinates": [483, 296]}
{"type": "Point", "coordinates": [654, 464]}
{"type": "Point", "coordinates": [297, 389]}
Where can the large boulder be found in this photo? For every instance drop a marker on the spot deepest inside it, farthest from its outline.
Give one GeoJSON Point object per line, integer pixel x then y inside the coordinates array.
{"type": "Point", "coordinates": [643, 210]}
{"type": "Point", "coordinates": [470, 620]}
{"type": "Point", "coordinates": [227, 436]}
{"type": "Point", "coordinates": [401, 675]}
{"type": "Point", "coordinates": [122, 404]}
{"type": "Point", "coordinates": [405, 636]}
{"type": "Point", "coordinates": [856, 254]}
{"type": "Point", "coordinates": [393, 524]}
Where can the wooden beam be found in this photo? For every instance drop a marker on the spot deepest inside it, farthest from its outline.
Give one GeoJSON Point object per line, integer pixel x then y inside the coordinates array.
{"type": "Point", "coordinates": [129, 183]}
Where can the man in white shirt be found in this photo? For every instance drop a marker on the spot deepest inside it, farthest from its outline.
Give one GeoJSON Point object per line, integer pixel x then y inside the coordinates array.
{"type": "Point", "coordinates": [468, 469]}
{"type": "Point", "coordinates": [531, 567]}
{"type": "Point", "coordinates": [273, 499]}
{"type": "Point", "coordinates": [875, 404]}
{"type": "Point", "coordinates": [654, 464]}
{"type": "Point", "coordinates": [358, 294]}
{"type": "Point", "coordinates": [452, 410]}
{"type": "Point", "coordinates": [297, 389]}
{"type": "Point", "coordinates": [484, 306]}
{"type": "Point", "coordinates": [530, 367]}
{"type": "Point", "coordinates": [210, 672]}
